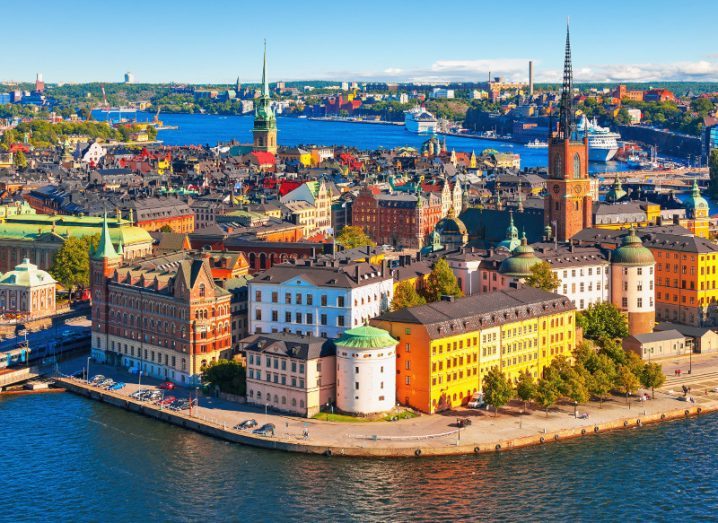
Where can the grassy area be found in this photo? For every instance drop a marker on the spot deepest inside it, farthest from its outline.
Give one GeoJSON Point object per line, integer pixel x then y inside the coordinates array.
{"type": "Point", "coordinates": [344, 418]}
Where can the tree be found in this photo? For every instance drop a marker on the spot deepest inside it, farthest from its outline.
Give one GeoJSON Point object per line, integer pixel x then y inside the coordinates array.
{"type": "Point", "coordinates": [525, 387]}
{"type": "Point", "coordinates": [405, 296]}
{"type": "Point", "coordinates": [20, 160]}
{"type": "Point", "coordinates": [602, 321]}
{"type": "Point", "coordinates": [497, 389]}
{"type": "Point", "coordinates": [229, 375]}
{"type": "Point", "coordinates": [542, 277]}
{"type": "Point", "coordinates": [441, 282]}
{"type": "Point", "coordinates": [547, 393]}
{"type": "Point", "coordinates": [71, 264]}
{"type": "Point", "coordinates": [353, 236]}
{"type": "Point", "coordinates": [652, 377]}
{"type": "Point", "coordinates": [166, 228]}
{"type": "Point", "coordinates": [626, 381]}
{"type": "Point", "coordinates": [601, 377]}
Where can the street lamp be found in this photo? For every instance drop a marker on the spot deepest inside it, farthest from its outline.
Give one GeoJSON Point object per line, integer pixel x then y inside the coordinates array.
{"type": "Point", "coordinates": [87, 370]}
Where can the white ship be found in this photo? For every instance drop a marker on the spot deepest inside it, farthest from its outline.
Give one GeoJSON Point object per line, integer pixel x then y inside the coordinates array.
{"type": "Point", "coordinates": [602, 142]}
{"type": "Point", "coordinates": [537, 144]}
{"type": "Point", "coordinates": [420, 121]}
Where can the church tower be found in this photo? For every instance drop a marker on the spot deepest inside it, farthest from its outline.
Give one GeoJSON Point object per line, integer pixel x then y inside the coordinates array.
{"type": "Point", "coordinates": [568, 204]}
{"type": "Point", "coordinates": [265, 123]}
{"type": "Point", "coordinates": [103, 262]}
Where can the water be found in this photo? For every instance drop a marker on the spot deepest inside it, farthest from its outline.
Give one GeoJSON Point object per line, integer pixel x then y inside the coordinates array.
{"type": "Point", "coordinates": [66, 458]}
{"type": "Point", "coordinates": [199, 129]}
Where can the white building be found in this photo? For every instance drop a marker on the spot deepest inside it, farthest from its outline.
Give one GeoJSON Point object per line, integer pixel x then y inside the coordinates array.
{"type": "Point", "coordinates": [440, 92]}
{"type": "Point", "coordinates": [129, 78]}
{"type": "Point", "coordinates": [632, 282]}
{"type": "Point", "coordinates": [92, 153]}
{"type": "Point", "coordinates": [323, 298]}
{"type": "Point", "coordinates": [366, 371]}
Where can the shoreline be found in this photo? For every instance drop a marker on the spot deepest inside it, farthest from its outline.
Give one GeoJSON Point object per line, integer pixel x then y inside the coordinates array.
{"type": "Point", "coordinates": [354, 448]}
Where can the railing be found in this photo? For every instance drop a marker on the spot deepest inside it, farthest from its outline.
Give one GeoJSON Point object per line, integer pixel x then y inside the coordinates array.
{"type": "Point", "coordinates": [375, 437]}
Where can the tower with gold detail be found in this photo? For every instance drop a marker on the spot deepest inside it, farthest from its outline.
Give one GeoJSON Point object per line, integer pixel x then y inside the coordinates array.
{"type": "Point", "coordinates": [568, 204]}
{"type": "Point", "coordinates": [265, 122]}
{"type": "Point", "coordinates": [697, 219]}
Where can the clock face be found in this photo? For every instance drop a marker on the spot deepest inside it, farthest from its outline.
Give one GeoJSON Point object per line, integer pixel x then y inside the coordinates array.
{"type": "Point", "coordinates": [577, 189]}
{"type": "Point", "coordinates": [556, 189]}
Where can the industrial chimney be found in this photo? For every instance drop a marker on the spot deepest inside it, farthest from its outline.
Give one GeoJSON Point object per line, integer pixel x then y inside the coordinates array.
{"type": "Point", "coordinates": [531, 78]}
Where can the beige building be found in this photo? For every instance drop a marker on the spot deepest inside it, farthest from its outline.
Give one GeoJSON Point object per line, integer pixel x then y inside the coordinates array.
{"type": "Point", "coordinates": [290, 373]}
{"type": "Point", "coordinates": [656, 345]}
{"type": "Point", "coordinates": [318, 195]}
{"type": "Point", "coordinates": [301, 213]}
{"type": "Point", "coordinates": [27, 291]}
{"type": "Point", "coordinates": [702, 339]}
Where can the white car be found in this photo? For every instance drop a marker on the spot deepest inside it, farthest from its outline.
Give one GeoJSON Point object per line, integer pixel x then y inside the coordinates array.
{"type": "Point", "coordinates": [477, 401]}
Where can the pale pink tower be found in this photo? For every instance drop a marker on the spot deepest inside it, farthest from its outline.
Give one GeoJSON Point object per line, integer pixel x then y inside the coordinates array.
{"type": "Point", "coordinates": [39, 83]}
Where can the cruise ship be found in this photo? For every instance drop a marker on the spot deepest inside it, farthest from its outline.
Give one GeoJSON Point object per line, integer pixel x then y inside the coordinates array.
{"type": "Point", "coordinates": [602, 142]}
{"type": "Point", "coordinates": [420, 121]}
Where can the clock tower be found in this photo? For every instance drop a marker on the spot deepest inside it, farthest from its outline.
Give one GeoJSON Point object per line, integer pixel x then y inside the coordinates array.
{"type": "Point", "coordinates": [265, 122]}
{"type": "Point", "coordinates": [568, 206]}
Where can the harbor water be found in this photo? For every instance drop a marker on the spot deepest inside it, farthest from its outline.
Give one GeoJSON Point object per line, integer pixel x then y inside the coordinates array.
{"type": "Point", "coordinates": [67, 458]}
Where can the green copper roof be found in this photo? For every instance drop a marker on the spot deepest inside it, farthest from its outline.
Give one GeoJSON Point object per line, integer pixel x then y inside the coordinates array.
{"type": "Point", "coordinates": [616, 191]}
{"type": "Point", "coordinates": [511, 240]}
{"type": "Point", "coordinates": [695, 200]}
{"type": "Point", "coordinates": [366, 338]}
{"type": "Point", "coordinates": [519, 264]}
{"type": "Point", "coordinates": [105, 249]}
{"type": "Point", "coordinates": [632, 252]}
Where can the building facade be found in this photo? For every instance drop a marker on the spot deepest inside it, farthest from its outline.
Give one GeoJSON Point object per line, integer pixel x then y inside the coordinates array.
{"type": "Point", "coordinates": [27, 292]}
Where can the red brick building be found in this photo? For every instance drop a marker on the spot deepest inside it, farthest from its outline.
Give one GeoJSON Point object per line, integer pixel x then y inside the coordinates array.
{"type": "Point", "coordinates": [397, 218]}
{"type": "Point", "coordinates": [164, 315]}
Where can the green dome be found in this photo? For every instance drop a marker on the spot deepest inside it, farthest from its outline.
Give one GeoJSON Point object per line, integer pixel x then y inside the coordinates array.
{"type": "Point", "coordinates": [451, 225]}
{"type": "Point", "coordinates": [519, 264]}
{"type": "Point", "coordinates": [511, 240]}
{"type": "Point", "coordinates": [366, 337]}
{"type": "Point", "coordinates": [695, 200]}
{"type": "Point", "coordinates": [632, 252]}
{"type": "Point", "coordinates": [616, 191]}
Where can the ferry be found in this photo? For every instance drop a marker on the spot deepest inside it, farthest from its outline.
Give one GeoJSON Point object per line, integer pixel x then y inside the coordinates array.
{"type": "Point", "coordinates": [420, 121]}
{"type": "Point", "coordinates": [537, 144]}
{"type": "Point", "coordinates": [602, 142]}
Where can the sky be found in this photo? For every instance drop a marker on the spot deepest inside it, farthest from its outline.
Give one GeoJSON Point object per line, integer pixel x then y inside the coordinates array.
{"type": "Point", "coordinates": [409, 40]}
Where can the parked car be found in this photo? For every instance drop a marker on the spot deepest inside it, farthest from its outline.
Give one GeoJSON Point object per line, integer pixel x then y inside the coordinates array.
{"type": "Point", "coordinates": [265, 430]}
{"type": "Point", "coordinates": [169, 400]}
{"type": "Point", "coordinates": [97, 379]}
{"type": "Point", "coordinates": [477, 401]}
{"type": "Point", "coordinates": [167, 385]}
{"type": "Point", "coordinates": [106, 383]}
{"type": "Point", "coordinates": [246, 424]}
{"type": "Point", "coordinates": [117, 386]}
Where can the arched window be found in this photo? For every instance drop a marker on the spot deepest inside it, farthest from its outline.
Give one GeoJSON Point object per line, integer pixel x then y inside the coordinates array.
{"type": "Point", "coordinates": [557, 166]}
{"type": "Point", "coordinates": [576, 166]}
{"type": "Point", "coordinates": [202, 290]}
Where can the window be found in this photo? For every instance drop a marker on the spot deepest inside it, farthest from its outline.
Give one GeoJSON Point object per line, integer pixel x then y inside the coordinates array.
{"type": "Point", "coordinates": [624, 302]}
{"type": "Point", "coordinates": [298, 299]}
{"type": "Point", "coordinates": [275, 316]}
{"type": "Point", "coordinates": [356, 385]}
{"type": "Point", "coordinates": [258, 315]}
{"type": "Point", "coordinates": [258, 296]}
{"type": "Point", "coordinates": [310, 318]}
{"type": "Point", "coordinates": [203, 291]}
{"type": "Point", "coordinates": [639, 302]}
{"type": "Point", "coordinates": [310, 299]}
{"type": "Point", "coordinates": [340, 301]}
{"type": "Point", "coordinates": [356, 370]}
{"type": "Point", "coordinates": [408, 380]}
{"type": "Point", "coordinates": [340, 321]}
{"type": "Point", "coordinates": [324, 300]}
{"type": "Point", "coordinates": [287, 298]}
{"type": "Point", "coordinates": [323, 319]}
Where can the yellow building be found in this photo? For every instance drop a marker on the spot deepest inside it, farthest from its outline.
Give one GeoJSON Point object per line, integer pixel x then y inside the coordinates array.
{"type": "Point", "coordinates": [697, 220]}
{"type": "Point", "coordinates": [446, 348]}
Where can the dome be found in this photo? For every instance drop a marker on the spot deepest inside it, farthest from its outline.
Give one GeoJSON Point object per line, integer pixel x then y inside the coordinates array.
{"type": "Point", "coordinates": [632, 252]}
{"type": "Point", "coordinates": [451, 225]}
{"type": "Point", "coordinates": [511, 240]}
{"type": "Point", "coordinates": [695, 200]}
{"type": "Point", "coordinates": [366, 338]}
{"type": "Point", "coordinates": [520, 262]}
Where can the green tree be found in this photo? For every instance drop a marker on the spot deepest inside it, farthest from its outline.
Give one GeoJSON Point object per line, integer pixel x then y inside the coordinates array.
{"type": "Point", "coordinates": [497, 389]}
{"type": "Point", "coordinates": [547, 392]}
{"type": "Point", "coordinates": [71, 264]}
{"type": "Point", "coordinates": [626, 381]}
{"type": "Point", "coordinates": [525, 387]}
{"type": "Point", "coordinates": [613, 349]}
{"type": "Point", "coordinates": [19, 160]}
{"type": "Point", "coordinates": [229, 375]}
{"type": "Point", "coordinates": [601, 376]}
{"type": "Point", "coordinates": [441, 282]}
{"type": "Point", "coordinates": [166, 228]}
{"type": "Point", "coordinates": [353, 236]}
{"type": "Point", "coordinates": [652, 377]}
{"type": "Point", "coordinates": [602, 321]}
{"type": "Point", "coordinates": [405, 296]}
{"type": "Point", "coordinates": [542, 277]}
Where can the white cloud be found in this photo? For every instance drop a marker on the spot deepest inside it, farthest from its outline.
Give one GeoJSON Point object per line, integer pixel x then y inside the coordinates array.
{"type": "Point", "coordinates": [516, 69]}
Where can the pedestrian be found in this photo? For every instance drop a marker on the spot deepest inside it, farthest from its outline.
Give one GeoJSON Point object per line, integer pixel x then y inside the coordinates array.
{"type": "Point", "coordinates": [306, 434]}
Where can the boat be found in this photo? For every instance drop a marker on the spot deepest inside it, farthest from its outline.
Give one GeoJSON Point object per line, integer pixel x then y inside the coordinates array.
{"type": "Point", "coordinates": [537, 144]}
{"type": "Point", "coordinates": [602, 142]}
{"type": "Point", "coordinates": [420, 121]}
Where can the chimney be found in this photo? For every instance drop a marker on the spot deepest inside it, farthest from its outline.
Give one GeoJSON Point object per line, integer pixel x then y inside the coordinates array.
{"type": "Point", "coordinates": [531, 78]}
{"type": "Point", "coordinates": [676, 219]}
{"type": "Point", "coordinates": [356, 272]}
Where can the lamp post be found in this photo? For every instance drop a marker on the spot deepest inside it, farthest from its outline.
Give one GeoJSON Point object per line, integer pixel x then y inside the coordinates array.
{"type": "Point", "coordinates": [87, 370]}
{"type": "Point", "coordinates": [690, 360]}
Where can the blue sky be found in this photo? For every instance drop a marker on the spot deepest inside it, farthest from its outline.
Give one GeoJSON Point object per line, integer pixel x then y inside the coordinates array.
{"type": "Point", "coordinates": [417, 40]}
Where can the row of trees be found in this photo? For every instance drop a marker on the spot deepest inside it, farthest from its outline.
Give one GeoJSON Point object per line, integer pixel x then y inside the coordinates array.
{"type": "Point", "coordinates": [601, 366]}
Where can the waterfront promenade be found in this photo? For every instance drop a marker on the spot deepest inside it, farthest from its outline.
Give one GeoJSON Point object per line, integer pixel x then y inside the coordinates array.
{"type": "Point", "coordinates": [425, 435]}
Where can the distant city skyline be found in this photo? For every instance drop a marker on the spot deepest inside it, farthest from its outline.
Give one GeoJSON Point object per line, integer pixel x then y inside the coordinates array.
{"type": "Point", "coordinates": [185, 42]}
